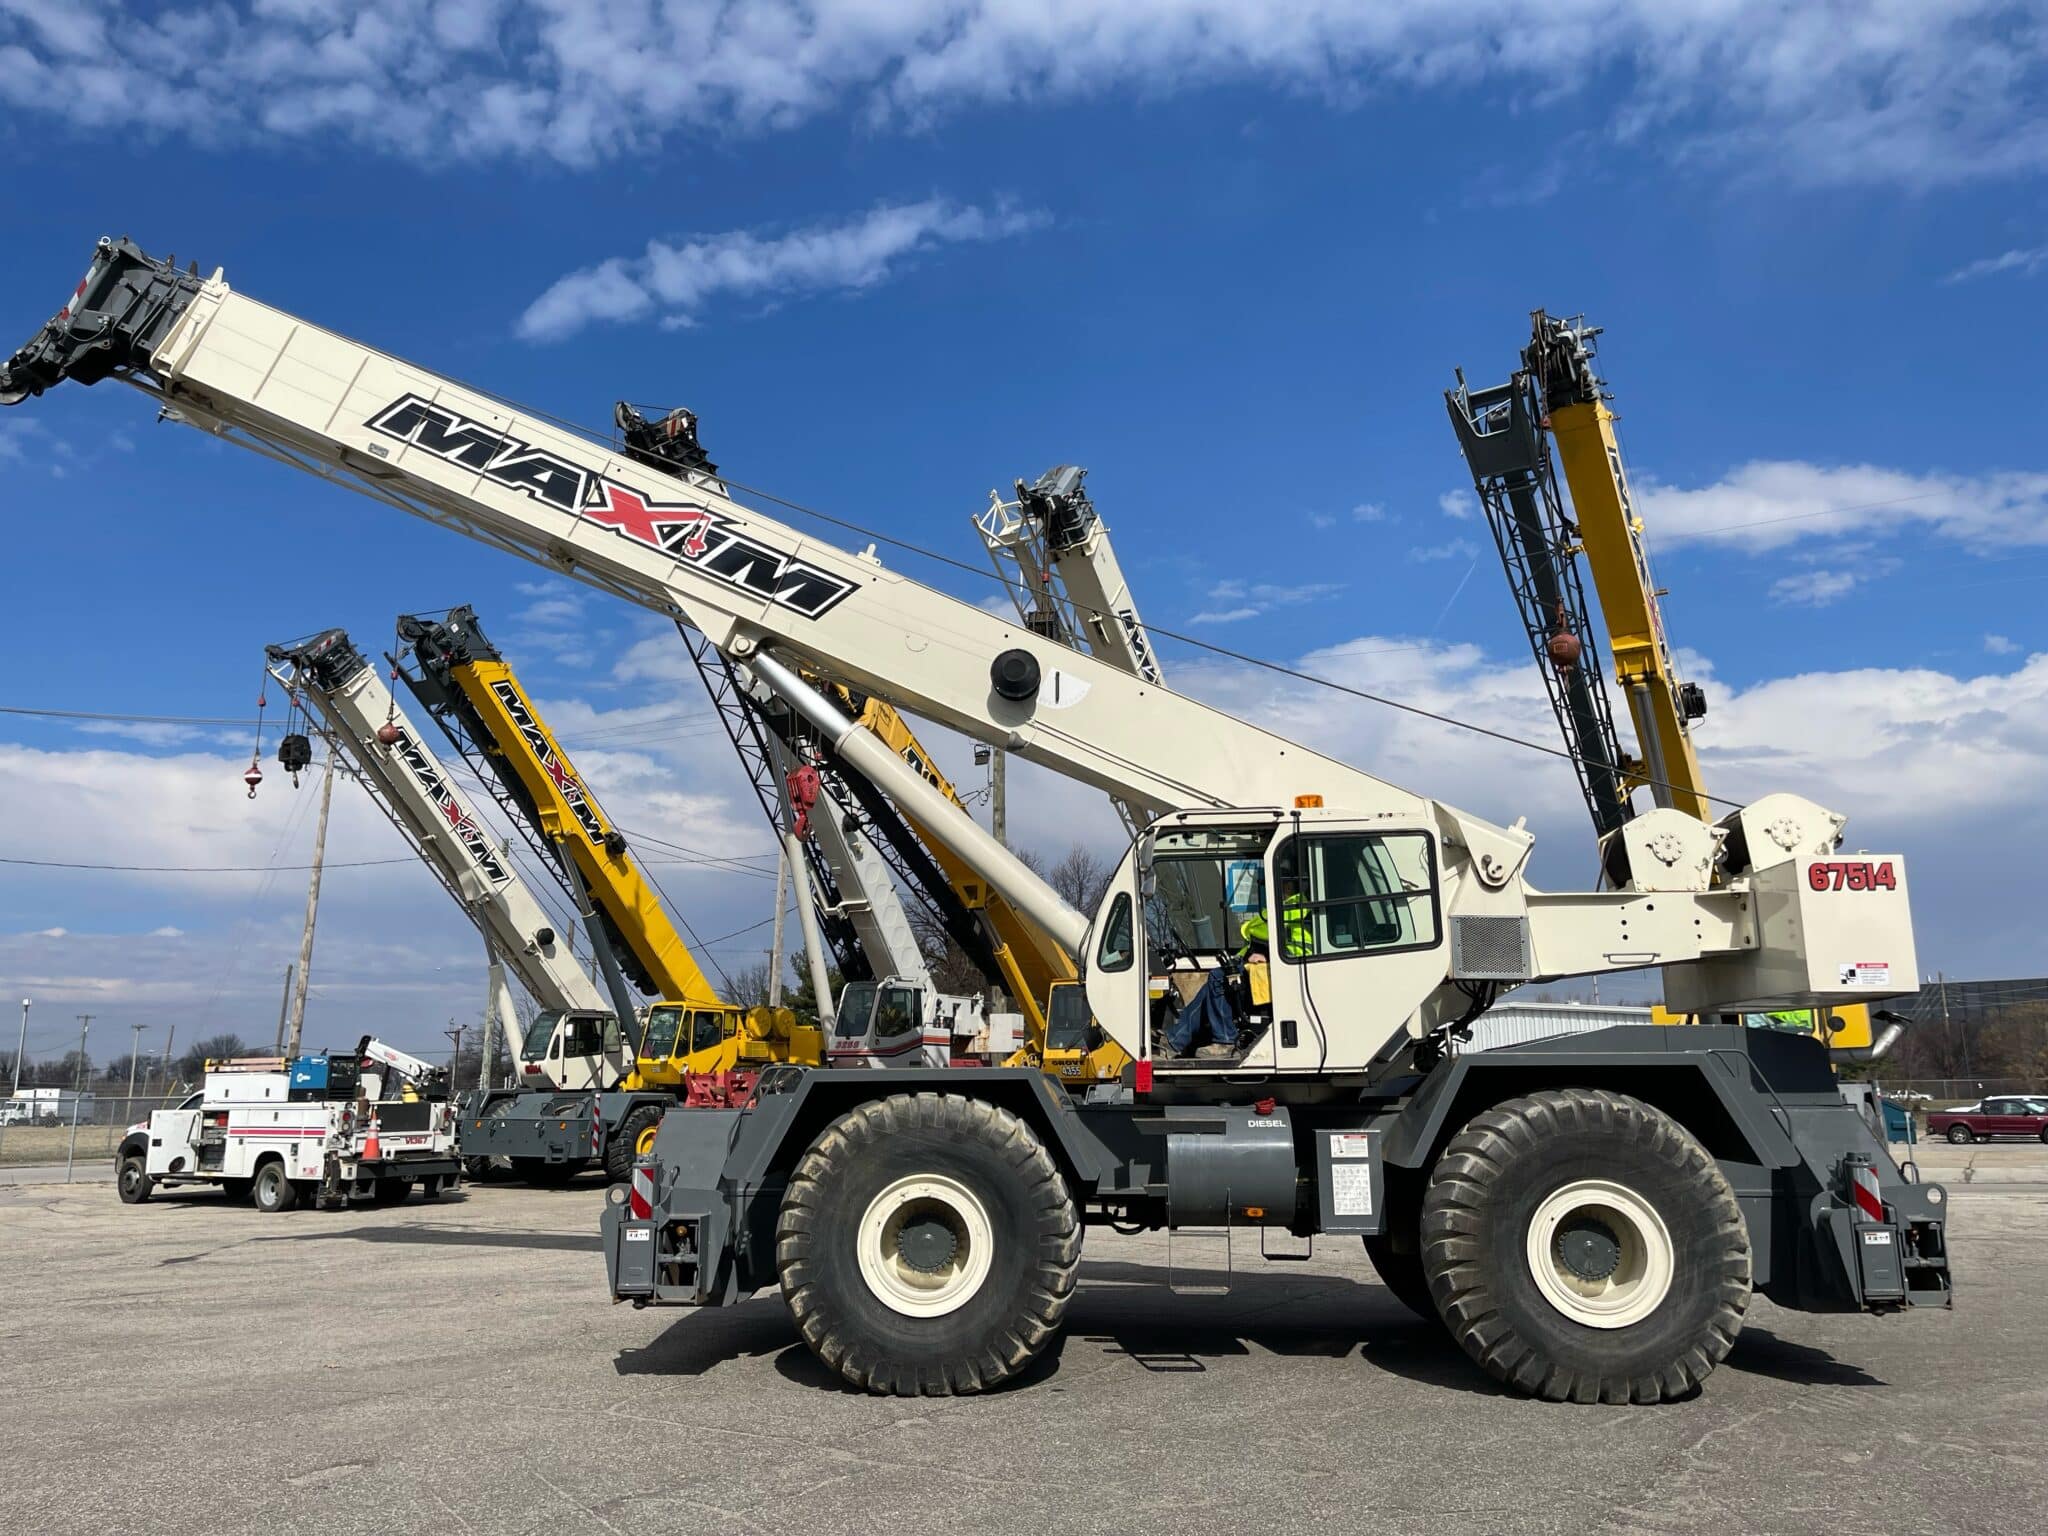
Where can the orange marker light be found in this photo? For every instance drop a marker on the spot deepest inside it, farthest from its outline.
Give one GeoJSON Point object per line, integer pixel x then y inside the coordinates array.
{"type": "Point", "coordinates": [1308, 802]}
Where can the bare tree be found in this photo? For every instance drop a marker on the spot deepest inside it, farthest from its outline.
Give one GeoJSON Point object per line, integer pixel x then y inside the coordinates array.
{"type": "Point", "coordinates": [1080, 877]}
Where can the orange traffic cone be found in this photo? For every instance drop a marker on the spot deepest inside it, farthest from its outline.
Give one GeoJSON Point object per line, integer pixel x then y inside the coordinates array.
{"type": "Point", "coordinates": [372, 1152]}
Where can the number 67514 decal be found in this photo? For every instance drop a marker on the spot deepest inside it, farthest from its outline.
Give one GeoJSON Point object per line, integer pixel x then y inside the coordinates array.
{"type": "Point", "coordinates": [1852, 875]}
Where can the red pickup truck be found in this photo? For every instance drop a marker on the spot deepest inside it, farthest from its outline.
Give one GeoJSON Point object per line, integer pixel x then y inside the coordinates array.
{"type": "Point", "coordinates": [2009, 1116]}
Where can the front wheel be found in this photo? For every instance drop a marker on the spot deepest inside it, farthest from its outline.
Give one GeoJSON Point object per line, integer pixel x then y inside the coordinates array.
{"type": "Point", "coordinates": [928, 1244]}
{"type": "Point", "coordinates": [133, 1179]}
{"type": "Point", "coordinates": [1583, 1246]}
{"type": "Point", "coordinates": [633, 1141]}
{"type": "Point", "coordinates": [272, 1192]}
{"type": "Point", "coordinates": [1961, 1134]}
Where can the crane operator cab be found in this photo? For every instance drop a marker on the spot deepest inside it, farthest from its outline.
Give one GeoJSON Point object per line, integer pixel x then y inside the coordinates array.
{"type": "Point", "coordinates": [1231, 929]}
{"type": "Point", "coordinates": [572, 1050]}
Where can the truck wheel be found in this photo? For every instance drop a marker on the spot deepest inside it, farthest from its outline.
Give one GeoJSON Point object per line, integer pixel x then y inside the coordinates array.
{"type": "Point", "coordinates": [1583, 1246]}
{"type": "Point", "coordinates": [1397, 1253]}
{"type": "Point", "coordinates": [272, 1191]}
{"type": "Point", "coordinates": [133, 1180]}
{"type": "Point", "coordinates": [927, 1244]}
{"type": "Point", "coordinates": [1959, 1134]}
{"type": "Point", "coordinates": [635, 1139]}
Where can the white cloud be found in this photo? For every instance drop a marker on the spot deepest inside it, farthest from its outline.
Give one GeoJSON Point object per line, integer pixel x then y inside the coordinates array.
{"type": "Point", "coordinates": [1457, 504]}
{"type": "Point", "coordinates": [1833, 91]}
{"type": "Point", "coordinates": [1450, 549]}
{"type": "Point", "coordinates": [1368, 512]}
{"type": "Point", "coordinates": [678, 281]}
{"type": "Point", "coordinates": [1816, 588]}
{"type": "Point", "coordinates": [2025, 262]}
{"type": "Point", "coordinates": [1250, 599]}
{"type": "Point", "coordinates": [1770, 503]}
{"type": "Point", "coordinates": [1999, 645]}
{"type": "Point", "coordinates": [1321, 521]}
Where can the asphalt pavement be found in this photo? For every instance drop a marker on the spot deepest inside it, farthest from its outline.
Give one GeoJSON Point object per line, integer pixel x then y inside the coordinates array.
{"type": "Point", "coordinates": [193, 1365]}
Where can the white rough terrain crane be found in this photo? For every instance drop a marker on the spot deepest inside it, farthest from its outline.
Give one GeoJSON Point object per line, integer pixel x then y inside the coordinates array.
{"type": "Point", "coordinates": [1588, 1217]}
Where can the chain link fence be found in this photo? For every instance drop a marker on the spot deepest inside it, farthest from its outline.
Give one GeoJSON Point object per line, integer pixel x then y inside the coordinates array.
{"type": "Point", "coordinates": [78, 1132]}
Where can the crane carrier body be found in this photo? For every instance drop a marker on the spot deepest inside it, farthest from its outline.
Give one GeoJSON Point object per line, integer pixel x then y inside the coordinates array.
{"type": "Point", "coordinates": [1588, 1218]}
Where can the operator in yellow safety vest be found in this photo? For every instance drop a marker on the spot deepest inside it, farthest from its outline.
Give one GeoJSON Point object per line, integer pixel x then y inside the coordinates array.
{"type": "Point", "coordinates": [1210, 1012]}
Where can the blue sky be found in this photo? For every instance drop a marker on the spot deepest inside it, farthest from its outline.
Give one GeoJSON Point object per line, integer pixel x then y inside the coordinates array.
{"type": "Point", "coordinates": [897, 258]}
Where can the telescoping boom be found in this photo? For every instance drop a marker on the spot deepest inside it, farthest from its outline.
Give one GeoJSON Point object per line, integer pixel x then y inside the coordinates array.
{"type": "Point", "coordinates": [419, 794]}
{"type": "Point", "coordinates": [1288, 951]}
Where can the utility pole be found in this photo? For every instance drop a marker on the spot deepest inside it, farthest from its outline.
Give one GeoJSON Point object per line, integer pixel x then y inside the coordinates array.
{"type": "Point", "coordinates": [167, 1056]}
{"type": "Point", "coordinates": [284, 1009]}
{"type": "Point", "coordinates": [298, 1013]}
{"type": "Point", "coordinates": [20, 1045]}
{"type": "Point", "coordinates": [134, 1054]}
{"type": "Point", "coordinates": [84, 1023]}
{"type": "Point", "coordinates": [998, 801]}
{"type": "Point", "coordinates": [454, 1032]}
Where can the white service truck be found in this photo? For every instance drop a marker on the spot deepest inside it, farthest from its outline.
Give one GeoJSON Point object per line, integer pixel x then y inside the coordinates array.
{"type": "Point", "coordinates": [325, 1129]}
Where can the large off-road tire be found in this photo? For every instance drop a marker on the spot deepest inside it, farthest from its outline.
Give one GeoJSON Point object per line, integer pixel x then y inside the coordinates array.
{"type": "Point", "coordinates": [1961, 1134]}
{"type": "Point", "coordinates": [1396, 1253]}
{"type": "Point", "coordinates": [928, 1244]}
{"type": "Point", "coordinates": [1583, 1246]}
{"type": "Point", "coordinates": [635, 1137]}
{"type": "Point", "coordinates": [133, 1180]}
{"type": "Point", "coordinates": [272, 1192]}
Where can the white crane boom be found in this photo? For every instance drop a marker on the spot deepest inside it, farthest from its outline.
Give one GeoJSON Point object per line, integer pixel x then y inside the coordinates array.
{"type": "Point", "coordinates": [418, 794]}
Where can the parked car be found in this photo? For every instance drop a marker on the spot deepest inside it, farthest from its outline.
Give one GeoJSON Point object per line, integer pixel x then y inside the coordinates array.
{"type": "Point", "coordinates": [2010, 1115]}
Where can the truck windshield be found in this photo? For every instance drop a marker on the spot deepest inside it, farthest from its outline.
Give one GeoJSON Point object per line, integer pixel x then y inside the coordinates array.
{"type": "Point", "coordinates": [538, 1034]}
{"type": "Point", "coordinates": [1066, 1019]}
{"type": "Point", "coordinates": [856, 1007]}
{"type": "Point", "coordinates": [663, 1020]}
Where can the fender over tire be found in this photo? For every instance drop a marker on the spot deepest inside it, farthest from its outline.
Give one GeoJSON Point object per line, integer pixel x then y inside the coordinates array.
{"type": "Point", "coordinates": [928, 1190]}
{"type": "Point", "coordinates": [1515, 1166]}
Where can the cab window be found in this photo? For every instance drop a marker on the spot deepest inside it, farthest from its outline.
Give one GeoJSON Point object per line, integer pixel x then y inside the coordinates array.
{"type": "Point", "coordinates": [1346, 893]}
{"type": "Point", "coordinates": [707, 1028]}
{"type": "Point", "coordinates": [1114, 952]}
{"type": "Point", "coordinates": [897, 1010]}
{"type": "Point", "coordinates": [662, 1024]}
{"type": "Point", "coordinates": [583, 1037]}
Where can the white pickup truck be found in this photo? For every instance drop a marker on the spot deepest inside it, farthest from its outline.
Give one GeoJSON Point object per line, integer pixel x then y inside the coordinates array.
{"type": "Point", "coordinates": [327, 1129]}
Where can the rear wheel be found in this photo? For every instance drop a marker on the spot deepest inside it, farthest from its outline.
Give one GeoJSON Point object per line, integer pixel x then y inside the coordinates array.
{"type": "Point", "coordinates": [133, 1179]}
{"type": "Point", "coordinates": [928, 1244]}
{"type": "Point", "coordinates": [272, 1191]}
{"type": "Point", "coordinates": [633, 1141]}
{"type": "Point", "coordinates": [1583, 1246]}
{"type": "Point", "coordinates": [1959, 1134]}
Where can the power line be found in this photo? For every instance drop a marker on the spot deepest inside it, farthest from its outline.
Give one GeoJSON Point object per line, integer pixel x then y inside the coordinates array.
{"type": "Point", "coordinates": [198, 869]}
{"type": "Point", "coordinates": [87, 714]}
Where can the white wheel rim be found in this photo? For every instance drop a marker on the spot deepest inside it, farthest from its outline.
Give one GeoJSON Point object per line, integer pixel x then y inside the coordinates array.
{"type": "Point", "coordinates": [937, 1287]}
{"type": "Point", "coordinates": [1643, 1262]}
